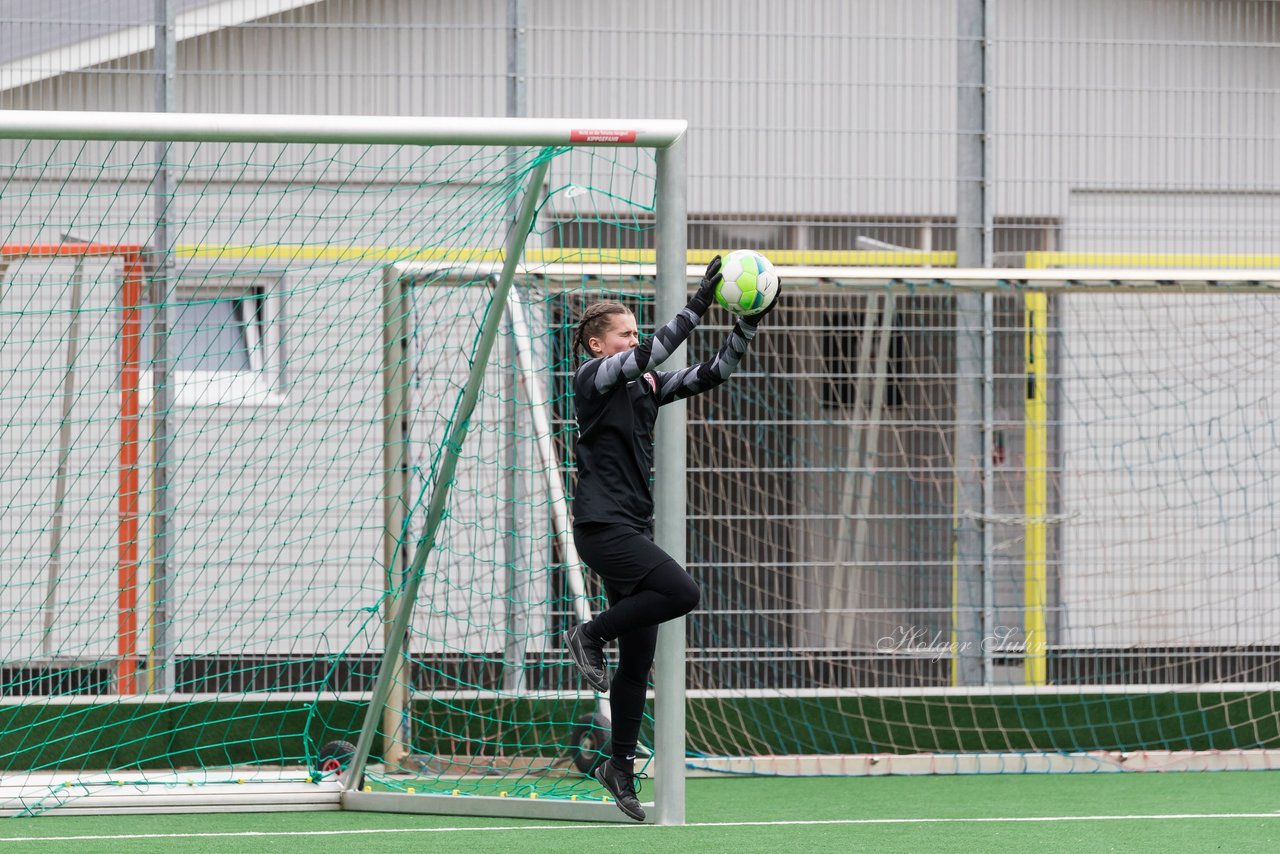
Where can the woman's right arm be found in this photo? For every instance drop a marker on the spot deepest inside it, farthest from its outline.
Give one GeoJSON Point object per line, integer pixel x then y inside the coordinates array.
{"type": "Point", "coordinates": [677, 385]}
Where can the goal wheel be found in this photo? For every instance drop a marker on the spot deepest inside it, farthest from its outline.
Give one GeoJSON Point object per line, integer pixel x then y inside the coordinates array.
{"type": "Point", "coordinates": [335, 757]}
{"type": "Point", "coordinates": [590, 742]}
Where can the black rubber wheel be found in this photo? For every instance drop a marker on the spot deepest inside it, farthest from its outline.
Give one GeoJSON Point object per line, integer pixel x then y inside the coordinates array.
{"type": "Point", "coordinates": [590, 742]}
{"type": "Point", "coordinates": [335, 757]}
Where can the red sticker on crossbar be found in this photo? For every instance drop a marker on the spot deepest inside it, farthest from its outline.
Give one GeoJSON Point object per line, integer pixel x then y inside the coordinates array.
{"type": "Point", "coordinates": [602, 136]}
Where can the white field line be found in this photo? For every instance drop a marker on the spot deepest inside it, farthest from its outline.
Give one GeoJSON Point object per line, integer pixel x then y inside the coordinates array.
{"type": "Point", "coordinates": [524, 828]}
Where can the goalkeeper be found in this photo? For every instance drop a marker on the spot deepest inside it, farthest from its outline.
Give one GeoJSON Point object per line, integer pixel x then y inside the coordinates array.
{"type": "Point", "coordinates": [617, 394]}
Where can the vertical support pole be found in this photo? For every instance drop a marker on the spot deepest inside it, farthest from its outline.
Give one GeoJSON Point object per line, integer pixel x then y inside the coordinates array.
{"type": "Point", "coordinates": [513, 666]}
{"type": "Point", "coordinates": [130, 428]}
{"type": "Point", "coordinates": [517, 57]}
{"type": "Point", "coordinates": [988, 493]}
{"type": "Point", "coordinates": [159, 674]}
{"type": "Point", "coordinates": [853, 584]}
{"type": "Point", "coordinates": [842, 626]}
{"type": "Point", "coordinates": [971, 251]}
{"type": "Point", "coordinates": [873, 411]}
{"type": "Point", "coordinates": [57, 531]}
{"type": "Point", "coordinates": [395, 497]}
{"type": "Point", "coordinates": [670, 454]}
{"type": "Point", "coordinates": [405, 596]}
{"type": "Point", "coordinates": [1035, 582]}
{"type": "Point", "coordinates": [988, 368]}
{"type": "Point", "coordinates": [515, 625]}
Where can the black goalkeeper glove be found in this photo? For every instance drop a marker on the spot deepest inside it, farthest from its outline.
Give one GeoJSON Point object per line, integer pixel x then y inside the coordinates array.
{"type": "Point", "coordinates": [706, 288]}
{"type": "Point", "coordinates": [754, 320]}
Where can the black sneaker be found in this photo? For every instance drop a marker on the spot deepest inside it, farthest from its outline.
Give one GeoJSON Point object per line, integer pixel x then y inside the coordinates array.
{"type": "Point", "coordinates": [622, 785]}
{"type": "Point", "coordinates": [588, 654]}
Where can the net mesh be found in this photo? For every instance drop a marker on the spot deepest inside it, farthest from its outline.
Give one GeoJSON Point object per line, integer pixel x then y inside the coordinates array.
{"type": "Point", "coordinates": [219, 458]}
{"type": "Point", "coordinates": [228, 394]}
{"type": "Point", "coordinates": [1121, 598]}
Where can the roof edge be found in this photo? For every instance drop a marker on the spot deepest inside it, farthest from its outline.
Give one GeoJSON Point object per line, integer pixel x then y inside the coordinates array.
{"type": "Point", "coordinates": [134, 40]}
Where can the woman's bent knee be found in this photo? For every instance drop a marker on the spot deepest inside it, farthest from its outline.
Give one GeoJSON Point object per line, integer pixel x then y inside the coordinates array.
{"type": "Point", "coordinates": [689, 596]}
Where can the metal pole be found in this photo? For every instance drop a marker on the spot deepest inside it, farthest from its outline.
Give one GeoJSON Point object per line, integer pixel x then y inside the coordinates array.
{"type": "Point", "coordinates": [365, 130]}
{"type": "Point", "coordinates": [988, 494]}
{"type": "Point", "coordinates": [160, 675]}
{"type": "Point", "coordinates": [971, 251]}
{"type": "Point", "coordinates": [406, 596]}
{"type": "Point", "coordinates": [842, 627]}
{"type": "Point", "coordinates": [988, 381]}
{"type": "Point", "coordinates": [516, 624]}
{"type": "Point", "coordinates": [54, 570]}
{"type": "Point", "coordinates": [1036, 489]}
{"type": "Point", "coordinates": [513, 668]}
{"type": "Point", "coordinates": [670, 453]}
{"type": "Point", "coordinates": [128, 562]}
{"type": "Point", "coordinates": [872, 414]}
{"type": "Point", "coordinates": [395, 499]}
{"type": "Point", "coordinates": [517, 57]}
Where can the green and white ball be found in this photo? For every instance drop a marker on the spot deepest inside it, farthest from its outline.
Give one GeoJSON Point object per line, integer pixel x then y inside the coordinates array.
{"type": "Point", "coordinates": [749, 284]}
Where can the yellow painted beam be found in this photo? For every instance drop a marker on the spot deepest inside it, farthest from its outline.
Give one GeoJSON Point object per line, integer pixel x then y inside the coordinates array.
{"type": "Point", "coordinates": [1045, 260]}
{"type": "Point", "coordinates": [1036, 487]}
{"type": "Point", "coordinates": [564, 255]}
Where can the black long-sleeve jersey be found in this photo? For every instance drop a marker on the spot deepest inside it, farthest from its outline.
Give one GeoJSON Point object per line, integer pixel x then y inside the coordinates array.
{"type": "Point", "coordinates": [617, 400]}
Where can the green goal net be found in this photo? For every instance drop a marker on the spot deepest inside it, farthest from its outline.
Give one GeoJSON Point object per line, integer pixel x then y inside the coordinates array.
{"type": "Point", "coordinates": [255, 478]}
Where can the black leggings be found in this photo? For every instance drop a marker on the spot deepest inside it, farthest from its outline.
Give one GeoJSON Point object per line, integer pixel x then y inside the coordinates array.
{"type": "Point", "coordinates": [665, 593]}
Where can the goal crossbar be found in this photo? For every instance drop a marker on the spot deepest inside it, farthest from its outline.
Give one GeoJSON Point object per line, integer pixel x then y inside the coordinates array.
{"type": "Point", "coordinates": [397, 130]}
{"type": "Point", "coordinates": [938, 280]}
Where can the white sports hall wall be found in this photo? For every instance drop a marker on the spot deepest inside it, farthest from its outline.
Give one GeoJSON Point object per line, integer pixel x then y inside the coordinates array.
{"type": "Point", "coordinates": [1118, 126]}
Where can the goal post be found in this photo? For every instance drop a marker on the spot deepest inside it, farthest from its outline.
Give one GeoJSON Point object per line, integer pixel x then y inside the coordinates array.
{"type": "Point", "coordinates": [286, 616]}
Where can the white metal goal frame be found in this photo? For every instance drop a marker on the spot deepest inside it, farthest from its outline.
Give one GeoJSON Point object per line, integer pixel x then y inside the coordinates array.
{"type": "Point", "coordinates": [666, 139]}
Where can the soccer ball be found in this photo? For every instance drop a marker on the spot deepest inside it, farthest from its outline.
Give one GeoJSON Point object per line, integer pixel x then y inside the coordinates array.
{"type": "Point", "coordinates": [749, 283]}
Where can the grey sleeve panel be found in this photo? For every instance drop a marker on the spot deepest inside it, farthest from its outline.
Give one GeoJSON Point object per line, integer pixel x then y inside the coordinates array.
{"type": "Point", "coordinates": [686, 382]}
{"type": "Point", "coordinates": [602, 374]}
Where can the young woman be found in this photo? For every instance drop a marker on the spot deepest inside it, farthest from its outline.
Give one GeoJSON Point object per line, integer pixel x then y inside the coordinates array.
{"type": "Point", "coordinates": [617, 394]}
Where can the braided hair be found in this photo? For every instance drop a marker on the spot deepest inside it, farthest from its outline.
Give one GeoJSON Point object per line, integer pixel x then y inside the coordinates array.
{"type": "Point", "coordinates": [595, 320]}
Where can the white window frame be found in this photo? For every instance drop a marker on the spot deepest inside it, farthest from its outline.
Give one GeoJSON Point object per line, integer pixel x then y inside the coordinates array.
{"type": "Point", "coordinates": [263, 338]}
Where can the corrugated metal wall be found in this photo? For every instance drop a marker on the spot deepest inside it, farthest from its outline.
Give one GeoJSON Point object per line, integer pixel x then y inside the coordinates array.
{"type": "Point", "coordinates": [1135, 126]}
{"type": "Point", "coordinates": [811, 123]}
